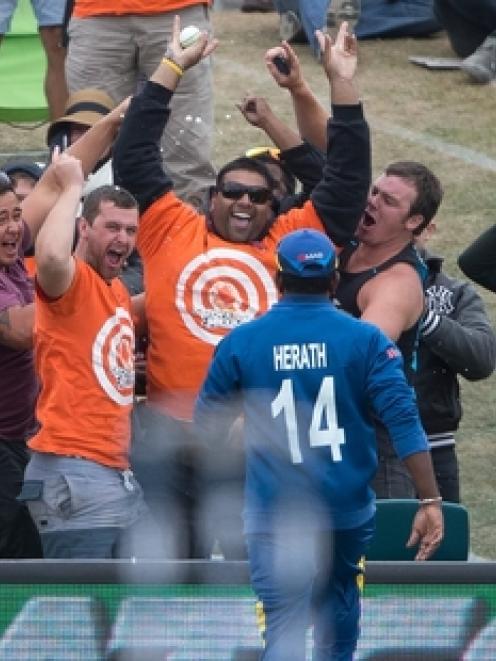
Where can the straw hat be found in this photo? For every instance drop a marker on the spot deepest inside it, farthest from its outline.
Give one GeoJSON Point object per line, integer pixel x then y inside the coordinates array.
{"type": "Point", "coordinates": [84, 107]}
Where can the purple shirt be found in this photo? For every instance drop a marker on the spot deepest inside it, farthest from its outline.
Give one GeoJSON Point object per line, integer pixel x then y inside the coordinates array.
{"type": "Point", "coordinates": [18, 383]}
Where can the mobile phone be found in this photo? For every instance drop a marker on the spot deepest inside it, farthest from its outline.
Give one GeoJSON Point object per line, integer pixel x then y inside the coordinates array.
{"type": "Point", "coordinates": [282, 65]}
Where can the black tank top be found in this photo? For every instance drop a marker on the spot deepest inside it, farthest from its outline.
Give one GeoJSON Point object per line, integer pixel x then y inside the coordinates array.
{"type": "Point", "coordinates": [351, 283]}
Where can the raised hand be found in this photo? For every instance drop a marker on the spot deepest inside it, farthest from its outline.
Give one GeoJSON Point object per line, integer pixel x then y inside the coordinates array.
{"type": "Point", "coordinates": [255, 109]}
{"type": "Point", "coordinates": [188, 57]}
{"type": "Point", "coordinates": [294, 78]}
{"type": "Point", "coordinates": [340, 58]}
{"type": "Point", "coordinates": [67, 170]}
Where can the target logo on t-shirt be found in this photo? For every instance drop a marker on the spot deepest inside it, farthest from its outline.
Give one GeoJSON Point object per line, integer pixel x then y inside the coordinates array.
{"type": "Point", "coordinates": [221, 289]}
{"type": "Point", "coordinates": [113, 357]}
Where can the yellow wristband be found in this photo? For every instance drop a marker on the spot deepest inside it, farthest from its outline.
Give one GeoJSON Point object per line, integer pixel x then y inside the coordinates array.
{"type": "Point", "coordinates": [174, 66]}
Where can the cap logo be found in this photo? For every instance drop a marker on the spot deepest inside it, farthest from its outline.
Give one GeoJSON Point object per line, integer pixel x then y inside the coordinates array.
{"type": "Point", "coordinates": [303, 257]}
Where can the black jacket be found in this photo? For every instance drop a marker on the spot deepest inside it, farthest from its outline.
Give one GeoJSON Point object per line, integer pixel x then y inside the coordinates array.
{"type": "Point", "coordinates": [478, 261]}
{"type": "Point", "coordinates": [456, 339]}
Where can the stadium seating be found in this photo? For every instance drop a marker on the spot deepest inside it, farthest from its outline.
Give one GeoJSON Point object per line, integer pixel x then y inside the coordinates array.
{"type": "Point", "coordinates": [56, 629]}
{"type": "Point", "coordinates": [22, 70]}
{"type": "Point", "coordinates": [394, 520]}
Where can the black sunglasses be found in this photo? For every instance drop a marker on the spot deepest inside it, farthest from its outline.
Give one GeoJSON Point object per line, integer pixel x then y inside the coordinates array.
{"type": "Point", "coordinates": [234, 191]}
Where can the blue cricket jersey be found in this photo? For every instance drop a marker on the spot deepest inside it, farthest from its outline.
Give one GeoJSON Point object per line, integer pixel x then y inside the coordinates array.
{"type": "Point", "coordinates": [307, 378]}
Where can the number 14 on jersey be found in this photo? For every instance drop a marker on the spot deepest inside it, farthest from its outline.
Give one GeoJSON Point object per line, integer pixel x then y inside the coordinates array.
{"type": "Point", "coordinates": [324, 409]}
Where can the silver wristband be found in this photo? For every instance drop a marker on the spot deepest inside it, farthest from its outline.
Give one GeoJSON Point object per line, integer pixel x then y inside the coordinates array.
{"type": "Point", "coordinates": [430, 501]}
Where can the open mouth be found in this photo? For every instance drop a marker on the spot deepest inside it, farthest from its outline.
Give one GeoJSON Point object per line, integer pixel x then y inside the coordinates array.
{"type": "Point", "coordinates": [115, 258]}
{"type": "Point", "coordinates": [367, 220]}
{"type": "Point", "coordinates": [10, 247]}
{"type": "Point", "coordinates": [240, 220]}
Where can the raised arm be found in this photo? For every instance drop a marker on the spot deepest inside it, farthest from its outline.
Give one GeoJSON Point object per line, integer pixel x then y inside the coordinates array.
{"type": "Point", "coordinates": [53, 247]}
{"type": "Point", "coordinates": [311, 116]}
{"type": "Point", "coordinates": [304, 161]}
{"type": "Point", "coordinates": [340, 197]}
{"type": "Point", "coordinates": [137, 160]}
{"type": "Point", "coordinates": [89, 149]}
{"type": "Point", "coordinates": [258, 112]}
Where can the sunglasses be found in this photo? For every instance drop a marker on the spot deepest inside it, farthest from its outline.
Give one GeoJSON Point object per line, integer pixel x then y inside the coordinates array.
{"type": "Point", "coordinates": [234, 191]}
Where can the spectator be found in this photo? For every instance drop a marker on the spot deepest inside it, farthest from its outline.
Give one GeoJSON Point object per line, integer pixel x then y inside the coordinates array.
{"type": "Point", "coordinates": [381, 278]}
{"type": "Point", "coordinates": [478, 261]}
{"type": "Point", "coordinates": [297, 373]}
{"type": "Point", "coordinates": [471, 28]}
{"type": "Point", "coordinates": [117, 44]}
{"type": "Point", "coordinates": [50, 17]}
{"type": "Point", "coordinates": [18, 384]}
{"type": "Point", "coordinates": [78, 486]}
{"type": "Point", "coordinates": [83, 109]}
{"type": "Point", "coordinates": [456, 339]}
{"type": "Point", "coordinates": [381, 273]}
{"type": "Point", "coordinates": [23, 175]}
{"type": "Point", "coordinates": [218, 268]}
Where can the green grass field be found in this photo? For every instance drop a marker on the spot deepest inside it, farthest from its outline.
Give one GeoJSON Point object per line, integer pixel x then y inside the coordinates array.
{"type": "Point", "coordinates": [437, 117]}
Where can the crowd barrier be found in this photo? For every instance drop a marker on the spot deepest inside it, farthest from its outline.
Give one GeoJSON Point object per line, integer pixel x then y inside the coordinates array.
{"type": "Point", "coordinates": [205, 611]}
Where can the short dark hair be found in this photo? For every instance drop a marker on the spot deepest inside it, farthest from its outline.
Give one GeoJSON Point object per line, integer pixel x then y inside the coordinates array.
{"type": "Point", "coordinates": [108, 193]}
{"type": "Point", "coordinates": [245, 163]}
{"type": "Point", "coordinates": [295, 285]}
{"type": "Point", "coordinates": [427, 185]}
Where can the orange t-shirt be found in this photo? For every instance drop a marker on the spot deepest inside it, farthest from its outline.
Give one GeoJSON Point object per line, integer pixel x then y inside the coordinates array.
{"type": "Point", "coordinates": [198, 287]}
{"type": "Point", "coordinates": [84, 344]}
{"type": "Point", "coordinates": [30, 264]}
{"type": "Point", "coordinates": [88, 8]}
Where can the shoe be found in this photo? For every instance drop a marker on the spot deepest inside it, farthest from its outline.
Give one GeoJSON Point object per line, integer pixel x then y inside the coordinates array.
{"type": "Point", "coordinates": [250, 6]}
{"type": "Point", "coordinates": [289, 26]}
{"type": "Point", "coordinates": [481, 65]}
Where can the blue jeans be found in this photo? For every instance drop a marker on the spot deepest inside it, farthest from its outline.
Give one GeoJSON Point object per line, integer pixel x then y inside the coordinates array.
{"type": "Point", "coordinates": [302, 578]}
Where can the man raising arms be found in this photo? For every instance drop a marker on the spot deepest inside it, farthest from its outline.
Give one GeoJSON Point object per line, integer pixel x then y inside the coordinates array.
{"type": "Point", "coordinates": [80, 491]}
{"type": "Point", "coordinates": [206, 275]}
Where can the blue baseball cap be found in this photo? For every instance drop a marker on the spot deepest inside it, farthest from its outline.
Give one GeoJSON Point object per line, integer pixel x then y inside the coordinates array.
{"type": "Point", "coordinates": [306, 254]}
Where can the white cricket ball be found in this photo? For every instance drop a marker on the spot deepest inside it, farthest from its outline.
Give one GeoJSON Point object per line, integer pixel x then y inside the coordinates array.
{"type": "Point", "coordinates": [189, 35]}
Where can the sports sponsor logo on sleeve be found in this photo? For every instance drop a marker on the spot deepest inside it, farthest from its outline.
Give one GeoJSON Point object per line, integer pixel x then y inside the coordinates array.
{"type": "Point", "coordinates": [393, 352]}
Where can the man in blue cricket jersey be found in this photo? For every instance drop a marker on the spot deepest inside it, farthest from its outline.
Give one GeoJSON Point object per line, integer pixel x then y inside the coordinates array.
{"type": "Point", "coordinates": [307, 378]}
